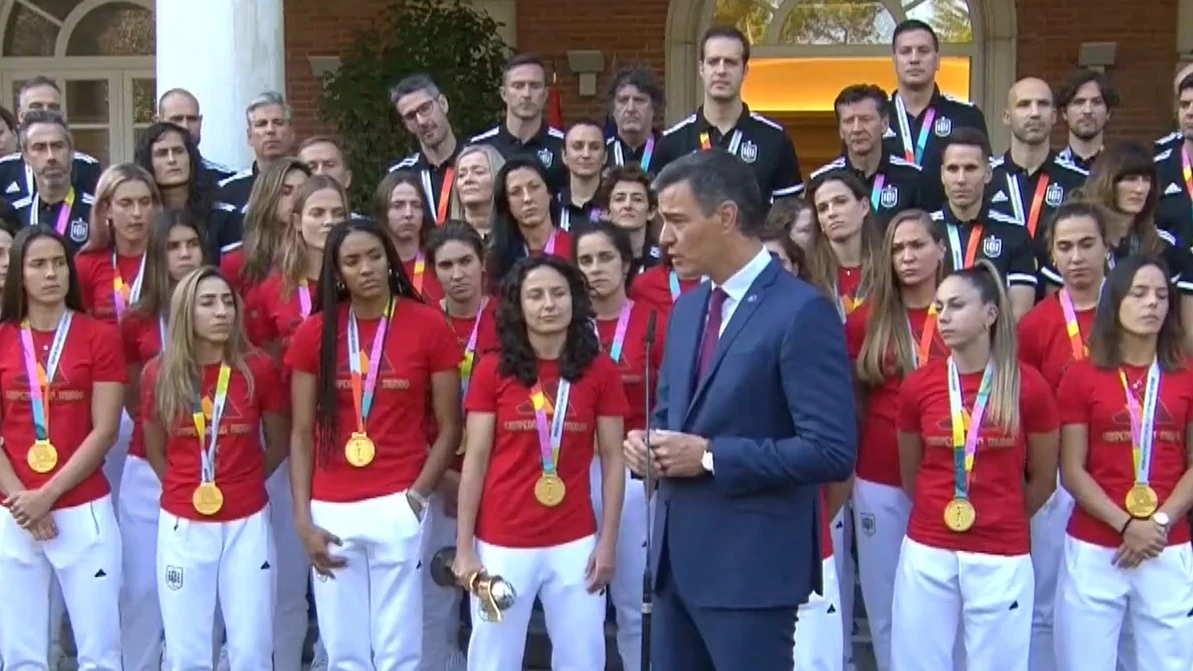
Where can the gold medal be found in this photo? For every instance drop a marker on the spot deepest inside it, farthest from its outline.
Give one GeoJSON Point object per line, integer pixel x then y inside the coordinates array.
{"type": "Point", "coordinates": [549, 490]}
{"type": "Point", "coordinates": [42, 456]}
{"type": "Point", "coordinates": [959, 515]}
{"type": "Point", "coordinates": [207, 499]}
{"type": "Point", "coordinates": [1142, 502]}
{"type": "Point", "coordinates": [360, 449]}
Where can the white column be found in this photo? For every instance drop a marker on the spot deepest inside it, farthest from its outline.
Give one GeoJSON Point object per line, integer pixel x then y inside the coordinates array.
{"type": "Point", "coordinates": [226, 52]}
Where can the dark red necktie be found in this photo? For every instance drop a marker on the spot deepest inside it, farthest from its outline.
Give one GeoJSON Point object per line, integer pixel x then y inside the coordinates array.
{"type": "Point", "coordinates": [712, 331]}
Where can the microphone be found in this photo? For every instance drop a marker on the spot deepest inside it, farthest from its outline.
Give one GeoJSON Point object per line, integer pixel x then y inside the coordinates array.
{"type": "Point", "coordinates": [647, 578]}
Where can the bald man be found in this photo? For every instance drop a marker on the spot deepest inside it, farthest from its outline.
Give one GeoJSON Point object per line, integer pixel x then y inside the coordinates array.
{"type": "Point", "coordinates": [1030, 181]}
{"type": "Point", "coordinates": [180, 107]}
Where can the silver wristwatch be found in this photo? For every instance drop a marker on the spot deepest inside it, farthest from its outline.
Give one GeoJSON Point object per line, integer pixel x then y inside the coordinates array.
{"type": "Point", "coordinates": [1161, 520]}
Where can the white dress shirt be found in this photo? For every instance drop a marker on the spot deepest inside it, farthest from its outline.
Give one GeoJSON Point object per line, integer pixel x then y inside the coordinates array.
{"type": "Point", "coordinates": [738, 284]}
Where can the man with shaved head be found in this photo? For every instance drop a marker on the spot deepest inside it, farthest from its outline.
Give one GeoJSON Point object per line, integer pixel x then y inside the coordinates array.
{"type": "Point", "coordinates": [181, 108]}
{"type": "Point", "coordinates": [1030, 181]}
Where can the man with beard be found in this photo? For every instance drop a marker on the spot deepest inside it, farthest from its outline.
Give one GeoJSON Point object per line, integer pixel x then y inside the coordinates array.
{"type": "Point", "coordinates": [423, 109]}
{"type": "Point", "coordinates": [725, 121]}
{"type": "Point", "coordinates": [863, 117]}
{"type": "Point", "coordinates": [924, 117]}
{"type": "Point", "coordinates": [1086, 100]}
{"type": "Point", "coordinates": [584, 156]}
{"type": "Point", "coordinates": [525, 131]}
{"type": "Point", "coordinates": [634, 96]}
{"type": "Point", "coordinates": [1174, 168]}
{"type": "Point", "coordinates": [1030, 181]}
{"type": "Point", "coordinates": [47, 148]}
{"type": "Point", "coordinates": [41, 94]}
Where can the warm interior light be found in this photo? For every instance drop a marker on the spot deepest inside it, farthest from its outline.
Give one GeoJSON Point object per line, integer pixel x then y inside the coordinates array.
{"type": "Point", "coordinates": [811, 84]}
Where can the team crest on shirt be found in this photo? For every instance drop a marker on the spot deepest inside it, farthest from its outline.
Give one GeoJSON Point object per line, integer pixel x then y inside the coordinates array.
{"type": "Point", "coordinates": [1054, 194]}
{"type": "Point", "coordinates": [78, 231]}
{"type": "Point", "coordinates": [749, 152]}
{"type": "Point", "coordinates": [889, 196]}
{"type": "Point", "coordinates": [174, 577]}
{"type": "Point", "coordinates": [869, 525]}
{"type": "Point", "coordinates": [546, 157]}
{"type": "Point", "coordinates": [992, 247]}
{"type": "Point", "coordinates": [943, 126]}
{"type": "Point", "coordinates": [1166, 427]}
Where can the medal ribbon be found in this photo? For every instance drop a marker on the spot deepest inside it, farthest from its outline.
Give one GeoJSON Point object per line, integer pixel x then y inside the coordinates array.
{"type": "Point", "coordinates": [122, 294]}
{"type": "Point", "coordinates": [1031, 218]}
{"type": "Point", "coordinates": [64, 210]}
{"type": "Point", "coordinates": [1072, 328]}
{"type": "Point", "coordinates": [647, 153]}
{"type": "Point", "coordinates": [734, 142]}
{"type": "Point", "coordinates": [304, 298]}
{"type": "Point", "coordinates": [971, 246]}
{"type": "Point", "coordinates": [966, 428]}
{"type": "Point", "coordinates": [673, 280]}
{"type": "Point", "coordinates": [916, 155]}
{"type": "Point", "coordinates": [420, 266]}
{"type": "Point", "coordinates": [41, 378]}
{"type": "Point", "coordinates": [470, 349]}
{"type": "Point", "coordinates": [550, 440]}
{"type": "Point", "coordinates": [876, 192]}
{"type": "Point", "coordinates": [362, 394]}
{"type": "Point", "coordinates": [623, 322]}
{"type": "Point", "coordinates": [919, 354]}
{"type": "Point", "coordinates": [445, 193]}
{"type": "Point", "coordinates": [550, 247]}
{"type": "Point", "coordinates": [161, 329]}
{"type": "Point", "coordinates": [199, 417]}
{"type": "Point", "coordinates": [1142, 427]}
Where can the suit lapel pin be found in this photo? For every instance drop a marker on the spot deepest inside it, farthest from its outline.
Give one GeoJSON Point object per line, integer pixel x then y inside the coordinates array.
{"type": "Point", "coordinates": [752, 299]}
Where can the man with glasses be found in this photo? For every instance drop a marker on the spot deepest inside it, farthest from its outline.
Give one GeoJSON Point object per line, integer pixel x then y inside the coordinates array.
{"type": "Point", "coordinates": [423, 108]}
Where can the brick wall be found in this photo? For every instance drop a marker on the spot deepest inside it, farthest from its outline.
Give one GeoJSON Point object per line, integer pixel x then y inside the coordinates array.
{"type": "Point", "coordinates": [1050, 35]}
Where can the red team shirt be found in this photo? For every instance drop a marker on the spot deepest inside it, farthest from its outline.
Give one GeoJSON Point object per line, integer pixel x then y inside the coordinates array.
{"type": "Point", "coordinates": [1044, 341]}
{"type": "Point", "coordinates": [563, 246]}
{"type": "Point", "coordinates": [509, 515]}
{"type": "Point", "coordinates": [91, 354]}
{"type": "Point", "coordinates": [996, 484]}
{"type": "Point", "coordinates": [142, 340]}
{"type": "Point", "coordinates": [1095, 398]}
{"type": "Point", "coordinates": [486, 341]}
{"type": "Point", "coordinates": [633, 358]}
{"type": "Point", "coordinates": [96, 281]}
{"type": "Point", "coordinates": [878, 446]}
{"type": "Point", "coordinates": [274, 314]}
{"type": "Point", "coordinates": [849, 281]}
{"type": "Point", "coordinates": [427, 284]}
{"type": "Point", "coordinates": [240, 463]}
{"type": "Point", "coordinates": [653, 287]}
{"type": "Point", "coordinates": [230, 265]}
{"type": "Point", "coordinates": [418, 344]}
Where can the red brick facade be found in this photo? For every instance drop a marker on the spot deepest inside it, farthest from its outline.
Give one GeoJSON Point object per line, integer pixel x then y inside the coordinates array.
{"type": "Point", "coordinates": [1048, 41]}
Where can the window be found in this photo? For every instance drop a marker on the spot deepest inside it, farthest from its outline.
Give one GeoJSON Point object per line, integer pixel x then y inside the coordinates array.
{"type": "Point", "coordinates": [826, 45]}
{"type": "Point", "coordinates": [101, 54]}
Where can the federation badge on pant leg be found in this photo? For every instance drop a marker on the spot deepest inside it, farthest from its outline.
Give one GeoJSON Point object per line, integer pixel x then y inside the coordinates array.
{"type": "Point", "coordinates": [174, 577]}
{"type": "Point", "coordinates": [869, 524]}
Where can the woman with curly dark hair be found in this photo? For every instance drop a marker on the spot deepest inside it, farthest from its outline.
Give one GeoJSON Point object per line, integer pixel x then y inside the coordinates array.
{"type": "Point", "coordinates": [369, 366]}
{"type": "Point", "coordinates": [535, 410]}
{"type": "Point", "coordinates": [523, 225]}
{"type": "Point", "coordinates": [169, 153]}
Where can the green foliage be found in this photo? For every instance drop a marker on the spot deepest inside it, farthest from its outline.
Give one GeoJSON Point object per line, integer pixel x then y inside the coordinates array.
{"type": "Point", "coordinates": [453, 42]}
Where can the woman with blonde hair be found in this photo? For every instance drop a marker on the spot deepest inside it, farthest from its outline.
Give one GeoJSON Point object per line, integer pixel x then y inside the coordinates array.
{"type": "Point", "coordinates": [472, 195]}
{"type": "Point", "coordinates": [977, 456]}
{"type": "Point", "coordinates": [215, 429]}
{"type": "Point", "coordinates": [889, 337]}
{"type": "Point", "coordinates": [266, 220]}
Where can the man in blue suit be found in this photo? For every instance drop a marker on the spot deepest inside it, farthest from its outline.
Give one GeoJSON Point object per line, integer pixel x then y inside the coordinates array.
{"type": "Point", "coordinates": [755, 413]}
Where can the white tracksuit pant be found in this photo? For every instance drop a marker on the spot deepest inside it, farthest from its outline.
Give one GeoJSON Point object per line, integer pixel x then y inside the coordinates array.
{"type": "Point", "coordinates": [1047, 558]}
{"type": "Point", "coordinates": [441, 605]}
{"type": "Point", "coordinates": [625, 591]}
{"type": "Point", "coordinates": [819, 640]}
{"type": "Point", "coordinates": [86, 559]}
{"type": "Point", "coordinates": [575, 618]}
{"type": "Point", "coordinates": [1096, 598]}
{"type": "Point", "coordinates": [115, 457]}
{"type": "Point", "coordinates": [842, 535]}
{"type": "Point", "coordinates": [200, 562]}
{"type": "Point", "coordinates": [370, 615]}
{"type": "Point", "coordinates": [880, 515]}
{"type": "Point", "coordinates": [942, 594]}
{"type": "Point", "coordinates": [140, 613]}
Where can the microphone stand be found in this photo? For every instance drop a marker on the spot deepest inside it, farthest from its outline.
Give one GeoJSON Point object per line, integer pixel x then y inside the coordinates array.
{"type": "Point", "coordinates": [647, 577]}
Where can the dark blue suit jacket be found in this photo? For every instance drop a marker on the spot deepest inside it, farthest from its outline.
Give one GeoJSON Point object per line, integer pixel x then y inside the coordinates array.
{"type": "Point", "coordinates": [777, 407]}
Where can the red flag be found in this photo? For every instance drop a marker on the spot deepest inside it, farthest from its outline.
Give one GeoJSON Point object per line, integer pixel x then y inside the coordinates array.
{"type": "Point", "coordinates": [554, 111]}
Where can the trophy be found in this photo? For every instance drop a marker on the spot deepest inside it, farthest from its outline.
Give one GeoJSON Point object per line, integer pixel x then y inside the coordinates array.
{"type": "Point", "coordinates": [494, 592]}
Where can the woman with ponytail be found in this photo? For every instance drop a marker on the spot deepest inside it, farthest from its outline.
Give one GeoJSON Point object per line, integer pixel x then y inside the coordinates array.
{"type": "Point", "coordinates": [970, 427]}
